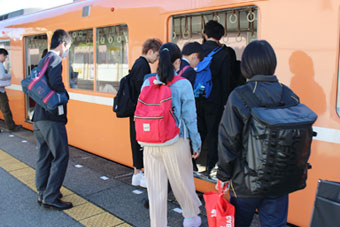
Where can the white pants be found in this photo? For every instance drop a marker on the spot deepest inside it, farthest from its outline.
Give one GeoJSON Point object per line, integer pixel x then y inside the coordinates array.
{"type": "Point", "coordinates": [171, 163]}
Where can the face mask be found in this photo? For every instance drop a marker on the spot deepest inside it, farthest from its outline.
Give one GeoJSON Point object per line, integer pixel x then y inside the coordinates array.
{"type": "Point", "coordinates": [65, 54]}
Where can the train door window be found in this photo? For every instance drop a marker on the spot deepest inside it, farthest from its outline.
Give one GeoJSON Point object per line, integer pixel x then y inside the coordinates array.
{"type": "Point", "coordinates": [81, 70]}
{"type": "Point", "coordinates": [7, 63]}
{"type": "Point", "coordinates": [240, 27]}
{"type": "Point", "coordinates": [111, 57]}
{"type": "Point", "coordinates": [34, 49]}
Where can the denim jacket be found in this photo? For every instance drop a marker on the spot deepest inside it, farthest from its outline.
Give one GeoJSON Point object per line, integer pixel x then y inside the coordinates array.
{"type": "Point", "coordinates": [183, 103]}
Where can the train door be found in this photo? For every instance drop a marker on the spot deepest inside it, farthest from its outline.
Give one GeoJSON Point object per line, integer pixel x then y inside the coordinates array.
{"type": "Point", "coordinates": [240, 29]}
{"type": "Point", "coordinates": [35, 47]}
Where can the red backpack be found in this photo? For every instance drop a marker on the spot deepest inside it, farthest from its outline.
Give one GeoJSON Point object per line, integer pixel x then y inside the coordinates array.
{"type": "Point", "coordinates": [154, 117]}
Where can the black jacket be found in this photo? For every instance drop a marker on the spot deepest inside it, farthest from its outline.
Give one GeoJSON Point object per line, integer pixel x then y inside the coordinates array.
{"type": "Point", "coordinates": [189, 73]}
{"type": "Point", "coordinates": [55, 82]}
{"type": "Point", "coordinates": [221, 68]}
{"type": "Point", "coordinates": [139, 69]}
{"type": "Point", "coordinates": [231, 142]}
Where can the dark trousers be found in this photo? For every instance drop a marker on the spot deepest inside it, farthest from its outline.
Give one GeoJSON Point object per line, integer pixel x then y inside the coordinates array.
{"type": "Point", "coordinates": [273, 211]}
{"type": "Point", "coordinates": [6, 111]}
{"type": "Point", "coordinates": [53, 155]}
{"type": "Point", "coordinates": [208, 118]}
{"type": "Point", "coordinates": [137, 150]}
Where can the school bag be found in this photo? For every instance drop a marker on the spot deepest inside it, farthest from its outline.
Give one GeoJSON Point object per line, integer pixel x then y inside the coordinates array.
{"type": "Point", "coordinates": [36, 87]}
{"type": "Point", "coordinates": [203, 82]}
{"type": "Point", "coordinates": [123, 105]}
{"type": "Point", "coordinates": [155, 121]}
{"type": "Point", "coordinates": [279, 141]}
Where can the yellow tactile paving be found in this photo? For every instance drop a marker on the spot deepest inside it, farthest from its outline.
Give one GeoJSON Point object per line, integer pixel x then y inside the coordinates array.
{"type": "Point", "coordinates": [23, 172]}
{"type": "Point", "coordinates": [103, 220]}
{"type": "Point", "coordinates": [75, 199]}
{"type": "Point", "coordinates": [65, 191]}
{"type": "Point", "coordinates": [4, 155]}
{"type": "Point", "coordinates": [83, 211]}
{"type": "Point", "coordinates": [12, 164]}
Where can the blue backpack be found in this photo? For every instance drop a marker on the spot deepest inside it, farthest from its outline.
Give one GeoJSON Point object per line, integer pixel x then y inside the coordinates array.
{"type": "Point", "coordinates": [203, 83]}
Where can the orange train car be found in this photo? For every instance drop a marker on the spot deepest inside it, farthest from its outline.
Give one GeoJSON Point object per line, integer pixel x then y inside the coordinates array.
{"type": "Point", "coordinates": [108, 36]}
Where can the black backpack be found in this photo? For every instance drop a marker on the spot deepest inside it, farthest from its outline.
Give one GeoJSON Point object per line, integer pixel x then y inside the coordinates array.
{"type": "Point", "coordinates": [279, 140]}
{"type": "Point", "coordinates": [122, 102]}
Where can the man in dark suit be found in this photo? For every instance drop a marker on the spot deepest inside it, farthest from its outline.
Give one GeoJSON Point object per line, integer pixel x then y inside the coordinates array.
{"type": "Point", "coordinates": [192, 55]}
{"type": "Point", "coordinates": [209, 110]}
{"type": "Point", "coordinates": [50, 130]}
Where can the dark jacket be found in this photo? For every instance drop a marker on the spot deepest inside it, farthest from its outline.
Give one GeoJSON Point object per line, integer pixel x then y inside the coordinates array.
{"type": "Point", "coordinates": [221, 68]}
{"type": "Point", "coordinates": [189, 73]}
{"type": "Point", "coordinates": [55, 82]}
{"type": "Point", "coordinates": [231, 142]}
{"type": "Point", "coordinates": [139, 69]}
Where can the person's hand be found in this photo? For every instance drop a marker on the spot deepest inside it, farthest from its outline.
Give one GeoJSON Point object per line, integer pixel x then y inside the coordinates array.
{"type": "Point", "coordinates": [195, 155]}
{"type": "Point", "coordinates": [222, 185]}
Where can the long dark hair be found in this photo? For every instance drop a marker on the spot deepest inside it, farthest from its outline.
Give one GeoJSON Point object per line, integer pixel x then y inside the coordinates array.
{"type": "Point", "coordinates": [258, 59]}
{"type": "Point", "coordinates": [168, 53]}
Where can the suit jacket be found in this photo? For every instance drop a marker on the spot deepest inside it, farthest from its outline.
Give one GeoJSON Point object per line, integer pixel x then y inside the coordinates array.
{"type": "Point", "coordinates": [54, 80]}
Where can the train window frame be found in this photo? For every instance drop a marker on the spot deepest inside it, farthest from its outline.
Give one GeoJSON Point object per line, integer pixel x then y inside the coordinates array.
{"type": "Point", "coordinates": [91, 68]}
{"type": "Point", "coordinates": [249, 12]}
{"type": "Point", "coordinates": [121, 67]}
{"type": "Point", "coordinates": [7, 64]}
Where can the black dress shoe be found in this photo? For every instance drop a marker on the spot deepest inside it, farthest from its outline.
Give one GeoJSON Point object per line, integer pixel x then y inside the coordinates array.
{"type": "Point", "coordinates": [58, 205]}
{"type": "Point", "coordinates": [40, 197]}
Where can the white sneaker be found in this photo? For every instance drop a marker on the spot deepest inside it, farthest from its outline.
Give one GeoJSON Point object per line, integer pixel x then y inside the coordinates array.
{"type": "Point", "coordinates": [192, 222]}
{"type": "Point", "coordinates": [142, 182]}
{"type": "Point", "coordinates": [136, 178]}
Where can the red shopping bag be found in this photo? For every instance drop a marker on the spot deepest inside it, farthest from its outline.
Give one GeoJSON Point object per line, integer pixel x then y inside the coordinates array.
{"type": "Point", "coordinates": [220, 212]}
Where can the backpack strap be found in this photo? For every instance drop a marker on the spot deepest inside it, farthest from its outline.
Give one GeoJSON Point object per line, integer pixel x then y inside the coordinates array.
{"type": "Point", "coordinates": [215, 51]}
{"type": "Point", "coordinates": [248, 97]}
{"type": "Point", "coordinates": [183, 70]}
{"type": "Point", "coordinates": [175, 79]}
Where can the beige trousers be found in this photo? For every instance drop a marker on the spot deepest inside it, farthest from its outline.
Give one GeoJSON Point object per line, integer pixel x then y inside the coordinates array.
{"type": "Point", "coordinates": [171, 163]}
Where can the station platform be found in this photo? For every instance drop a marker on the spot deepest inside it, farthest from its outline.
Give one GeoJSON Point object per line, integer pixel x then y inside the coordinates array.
{"type": "Point", "coordinates": [100, 190]}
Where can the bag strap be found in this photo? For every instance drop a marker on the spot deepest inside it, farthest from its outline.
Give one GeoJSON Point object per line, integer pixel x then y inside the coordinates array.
{"type": "Point", "coordinates": [45, 66]}
{"type": "Point", "coordinates": [183, 70]}
{"type": "Point", "coordinates": [248, 97]}
{"type": "Point", "coordinates": [215, 51]}
{"type": "Point", "coordinates": [179, 76]}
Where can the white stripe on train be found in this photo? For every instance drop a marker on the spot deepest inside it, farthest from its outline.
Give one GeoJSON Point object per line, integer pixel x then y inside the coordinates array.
{"type": "Point", "coordinates": [324, 134]}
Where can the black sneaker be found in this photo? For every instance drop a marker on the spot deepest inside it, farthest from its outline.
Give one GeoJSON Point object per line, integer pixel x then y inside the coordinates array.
{"type": "Point", "coordinates": [16, 128]}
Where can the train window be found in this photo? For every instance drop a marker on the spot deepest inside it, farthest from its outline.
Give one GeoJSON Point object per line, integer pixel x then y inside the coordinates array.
{"type": "Point", "coordinates": [240, 27]}
{"type": "Point", "coordinates": [7, 63]}
{"type": "Point", "coordinates": [81, 70]}
{"type": "Point", "coordinates": [112, 57]}
{"type": "Point", "coordinates": [34, 48]}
